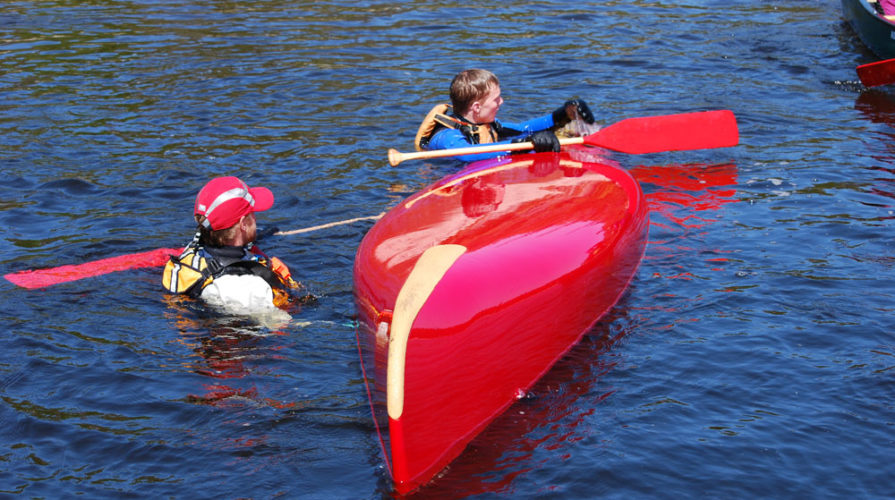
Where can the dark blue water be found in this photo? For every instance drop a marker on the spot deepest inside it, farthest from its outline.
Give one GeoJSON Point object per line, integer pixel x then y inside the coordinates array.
{"type": "Point", "coordinates": [753, 355]}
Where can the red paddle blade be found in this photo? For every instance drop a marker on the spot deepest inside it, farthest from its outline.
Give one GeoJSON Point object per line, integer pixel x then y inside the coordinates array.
{"type": "Point", "coordinates": [655, 134]}
{"type": "Point", "coordinates": [45, 277]}
{"type": "Point", "coordinates": [877, 73]}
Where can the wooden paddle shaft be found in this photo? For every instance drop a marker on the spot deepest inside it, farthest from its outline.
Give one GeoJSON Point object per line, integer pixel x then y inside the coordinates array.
{"type": "Point", "coordinates": [395, 157]}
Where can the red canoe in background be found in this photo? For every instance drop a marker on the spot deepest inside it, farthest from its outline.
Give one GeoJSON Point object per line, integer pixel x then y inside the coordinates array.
{"type": "Point", "coordinates": [470, 290]}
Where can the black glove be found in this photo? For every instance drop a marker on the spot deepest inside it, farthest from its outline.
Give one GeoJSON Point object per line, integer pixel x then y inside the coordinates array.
{"type": "Point", "coordinates": [544, 141]}
{"type": "Point", "coordinates": [565, 113]}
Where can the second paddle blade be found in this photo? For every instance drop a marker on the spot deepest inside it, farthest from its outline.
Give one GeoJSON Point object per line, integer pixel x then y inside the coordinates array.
{"type": "Point", "coordinates": [656, 134]}
{"type": "Point", "coordinates": [877, 73]}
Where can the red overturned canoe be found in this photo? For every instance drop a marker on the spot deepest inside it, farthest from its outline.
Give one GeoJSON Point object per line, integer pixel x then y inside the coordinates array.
{"type": "Point", "coordinates": [470, 290]}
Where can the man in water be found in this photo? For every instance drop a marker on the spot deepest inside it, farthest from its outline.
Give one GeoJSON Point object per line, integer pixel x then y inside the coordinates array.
{"type": "Point", "coordinates": [222, 265]}
{"type": "Point", "coordinates": [475, 101]}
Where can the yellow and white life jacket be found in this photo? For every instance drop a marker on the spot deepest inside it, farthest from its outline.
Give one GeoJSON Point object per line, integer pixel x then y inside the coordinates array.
{"type": "Point", "coordinates": [195, 269]}
{"type": "Point", "coordinates": [438, 118]}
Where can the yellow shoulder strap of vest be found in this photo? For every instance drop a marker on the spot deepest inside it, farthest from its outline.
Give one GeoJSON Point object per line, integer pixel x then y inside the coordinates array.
{"type": "Point", "coordinates": [183, 272]}
{"type": "Point", "coordinates": [438, 115]}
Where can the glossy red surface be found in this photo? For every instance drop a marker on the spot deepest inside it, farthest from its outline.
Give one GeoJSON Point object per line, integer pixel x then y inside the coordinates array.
{"type": "Point", "coordinates": [552, 243]}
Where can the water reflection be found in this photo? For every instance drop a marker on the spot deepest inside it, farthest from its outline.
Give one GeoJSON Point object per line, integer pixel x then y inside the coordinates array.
{"type": "Point", "coordinates": [878, 105]}
{"type": "Point", "coordinates": [229, 350]}
{"type": "Point", "coordinates": [684, 201]}
{"type": "Point", "coordinates": [684, 194]}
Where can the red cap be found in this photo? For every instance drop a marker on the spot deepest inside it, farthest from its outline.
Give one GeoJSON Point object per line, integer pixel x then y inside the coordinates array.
{"type": "Point", "coordinates": [225, 199]}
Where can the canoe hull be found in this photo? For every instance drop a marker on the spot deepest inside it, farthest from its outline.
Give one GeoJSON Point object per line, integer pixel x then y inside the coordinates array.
{"type": "Point", "coordinates": [547, 244]}
{"type": "Point", "coordinates": [875, 31]}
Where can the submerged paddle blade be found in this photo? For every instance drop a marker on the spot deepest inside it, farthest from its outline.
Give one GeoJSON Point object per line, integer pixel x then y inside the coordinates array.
{"type": "Point", "coordinates": [877, 73]}
{"type": "Point", "coordinates": [681, 132]}
{"type": "Point", "coordinates": [40, 278]}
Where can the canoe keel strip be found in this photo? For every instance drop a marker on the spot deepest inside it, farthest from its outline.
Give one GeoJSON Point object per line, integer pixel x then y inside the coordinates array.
{"type": "Point", "coordinates": [428, 271]}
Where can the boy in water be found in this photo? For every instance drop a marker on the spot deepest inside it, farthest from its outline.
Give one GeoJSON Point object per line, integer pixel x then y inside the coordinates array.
{"type": "Point", "coordinates": [472, 119]}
